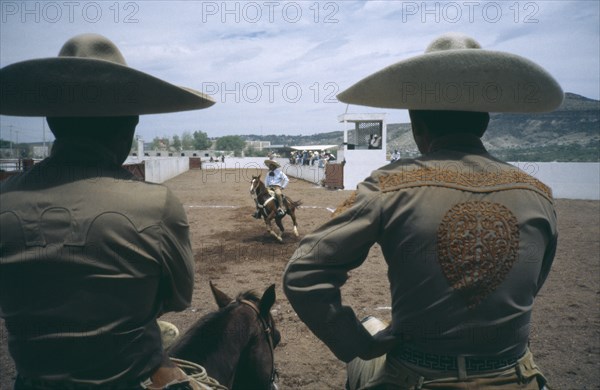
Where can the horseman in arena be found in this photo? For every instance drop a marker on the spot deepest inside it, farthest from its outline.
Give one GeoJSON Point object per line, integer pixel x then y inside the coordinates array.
{"type": "Point", "coordinates": [91, 256]}
{"type": "Point", "coordinates": [276, 181]}
{"type": "Point", "coordinates": [469, 240]}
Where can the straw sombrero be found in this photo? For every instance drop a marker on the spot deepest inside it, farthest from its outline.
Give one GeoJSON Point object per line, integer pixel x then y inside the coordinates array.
{"type": "Point", "coordinates": [272, 162]}
{"type": "Point", "coordinates": [89, 78]}
{"type": "Point", "coordinates": [456, 74]}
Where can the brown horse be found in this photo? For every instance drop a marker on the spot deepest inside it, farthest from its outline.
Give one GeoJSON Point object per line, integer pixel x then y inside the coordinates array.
{"type": "Point", "coordinates": [235, 344]}
{"type": "Point", "coordinates": [266, 202]}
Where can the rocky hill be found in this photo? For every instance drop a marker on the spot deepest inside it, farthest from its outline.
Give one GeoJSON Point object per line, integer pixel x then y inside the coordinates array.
{"type": "Point", "coordinates": [570, 133]}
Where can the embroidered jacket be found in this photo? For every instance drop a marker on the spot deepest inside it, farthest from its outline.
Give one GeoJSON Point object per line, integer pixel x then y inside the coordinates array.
{"type": "Point", "coordinates": [468, 239]}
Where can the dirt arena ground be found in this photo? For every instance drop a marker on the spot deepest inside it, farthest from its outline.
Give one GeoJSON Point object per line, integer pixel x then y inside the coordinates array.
{"type": "Point", "coordinates": [233, 250]}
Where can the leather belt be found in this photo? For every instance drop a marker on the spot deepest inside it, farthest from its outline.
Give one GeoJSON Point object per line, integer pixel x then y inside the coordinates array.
{"type": "Point", "coordinates": [453, 363]}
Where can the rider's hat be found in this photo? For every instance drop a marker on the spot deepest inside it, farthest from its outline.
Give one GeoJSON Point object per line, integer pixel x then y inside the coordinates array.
{"type": "Point", "coordinates": [270, 162]}
{"type": "Point", "coordinates": [89, 78]}
{"type": "Point", "coordinates": [455, 73]}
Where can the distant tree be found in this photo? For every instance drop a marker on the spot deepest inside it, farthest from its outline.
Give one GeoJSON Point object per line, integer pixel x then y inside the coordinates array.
{"type": "Point", "coordinates": [156, 143]}
{"type": "Point", "coordinates": [22, 150]}
{"type": "Point", "coordinates": [251, 151]}
{"type": "Point", "coordinates": [176, 144]}
{"type": "Point", "coordinates": [231, 142]}
{"type": "Point", "coordinates": [165, 142]}
{"type": "Point", "coordinates": [201, 141]}
{"type": "Point", "coordinates": [187, 141]}
{"type": "Point", "coordinates": [159, 143]}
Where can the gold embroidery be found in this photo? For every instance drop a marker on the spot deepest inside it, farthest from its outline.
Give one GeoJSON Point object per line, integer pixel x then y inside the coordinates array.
{"type": "Point", "coordinates": [469, 180]}
{"type": "Point", "coordinates": [346, 204]}
{"type": "Point", "coordinates": [477, 245]}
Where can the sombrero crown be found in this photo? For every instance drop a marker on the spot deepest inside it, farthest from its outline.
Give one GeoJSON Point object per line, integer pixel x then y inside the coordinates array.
{"type": "Point", "coordinates": [456, 74]}
{"type": "Point", "coordinates": [89, 78]}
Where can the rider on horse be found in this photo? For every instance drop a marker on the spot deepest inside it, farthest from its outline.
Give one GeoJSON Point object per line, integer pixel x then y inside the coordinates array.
{"type": "Point", "coordinates": [276, 181]}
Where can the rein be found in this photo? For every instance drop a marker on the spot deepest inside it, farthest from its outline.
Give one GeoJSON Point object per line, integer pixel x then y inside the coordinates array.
{"type": "Point", "coordinates": [261, 190]}
{"type": "Point", "coordinates": [268, 331]}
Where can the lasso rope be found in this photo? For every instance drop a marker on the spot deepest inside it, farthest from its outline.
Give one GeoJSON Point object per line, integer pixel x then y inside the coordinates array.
{"type": "Point", "coordinates": [198, 373]}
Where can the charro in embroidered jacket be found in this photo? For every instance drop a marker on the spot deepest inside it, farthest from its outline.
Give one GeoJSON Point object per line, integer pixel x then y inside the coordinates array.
{"type": "Point", "coordinates": [89, 257]}
{"type": "Point", "coordinates": [468, 240]}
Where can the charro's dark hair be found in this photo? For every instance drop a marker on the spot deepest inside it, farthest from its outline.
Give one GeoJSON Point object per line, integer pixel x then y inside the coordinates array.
{"type": "Point", "coordinates": [440, 123]}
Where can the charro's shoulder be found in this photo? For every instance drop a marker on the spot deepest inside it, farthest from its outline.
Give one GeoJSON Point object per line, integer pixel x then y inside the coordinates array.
{"type": "Point", "coordinates": [371, 187]}
{"type": "Point", "coordinates": [379, 177]}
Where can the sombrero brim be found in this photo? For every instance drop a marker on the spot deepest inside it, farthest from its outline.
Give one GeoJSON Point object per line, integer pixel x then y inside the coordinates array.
{"type": "Point", "coordinates": [461, 80]}
{"type": "Point", "coordinates": [272, 162]}
{"type": "Point", "coordinates": [72, 86]}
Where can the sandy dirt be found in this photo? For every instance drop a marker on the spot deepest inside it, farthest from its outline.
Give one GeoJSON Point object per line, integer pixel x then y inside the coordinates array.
{"type": "Point", "coordinates": [233, 250]}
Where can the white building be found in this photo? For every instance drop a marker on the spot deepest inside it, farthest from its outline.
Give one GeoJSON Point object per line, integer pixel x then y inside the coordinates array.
{"type": "Point", "coordinates": [364, 147]}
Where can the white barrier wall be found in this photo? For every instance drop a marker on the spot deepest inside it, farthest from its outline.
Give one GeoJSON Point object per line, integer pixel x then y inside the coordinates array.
{"type": "Point", "coordinates": [312, 174]}
{"type": "Point", "coordinates": [159, 170]}
{"type": "Point", "coordinates": [309, 173]}
{"type": "Point", "coordinates": [360, 164]}
{"type": "Point", "coordinates": [567, 180]}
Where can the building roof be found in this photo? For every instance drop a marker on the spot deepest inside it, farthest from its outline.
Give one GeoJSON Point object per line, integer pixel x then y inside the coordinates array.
{"type": "Point", "coordinates": [314, 147]}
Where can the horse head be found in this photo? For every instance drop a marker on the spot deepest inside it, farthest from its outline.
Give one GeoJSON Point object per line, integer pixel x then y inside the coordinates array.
{"type": "Point", "coordinates": [255, 184]}
{"type": "Point", "coordinates": [259, 369]}
{"type": "Point", "coordinates": [235, 344]}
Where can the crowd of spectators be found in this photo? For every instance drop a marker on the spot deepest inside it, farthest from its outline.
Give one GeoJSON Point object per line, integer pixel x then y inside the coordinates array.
{"type": "Point", "coordinates": [312, 157]}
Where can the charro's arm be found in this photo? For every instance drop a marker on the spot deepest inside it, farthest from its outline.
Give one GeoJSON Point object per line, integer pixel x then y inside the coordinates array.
{"type": "Point", "coordinates": [549, 253]}
{"type": "Point", "coordinates": [319, 267]}
{"type": "Point", "coordinates": [177, 280]}
{"type": "Point", "coordinates": [284, 180]}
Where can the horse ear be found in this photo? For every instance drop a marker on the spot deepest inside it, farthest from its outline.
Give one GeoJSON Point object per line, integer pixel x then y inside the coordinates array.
{"type": "Point", "coordinates": [221, 298]}
{"type": "Point", "coordinates": [267, 300]}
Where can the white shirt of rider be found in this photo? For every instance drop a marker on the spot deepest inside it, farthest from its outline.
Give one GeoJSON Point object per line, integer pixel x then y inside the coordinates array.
{"type": "Point", "coordinates": [277, 178]}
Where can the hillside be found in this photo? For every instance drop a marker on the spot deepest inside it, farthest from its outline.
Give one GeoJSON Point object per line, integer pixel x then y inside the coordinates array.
{"type": "Point", "coordinates": [571, 133]}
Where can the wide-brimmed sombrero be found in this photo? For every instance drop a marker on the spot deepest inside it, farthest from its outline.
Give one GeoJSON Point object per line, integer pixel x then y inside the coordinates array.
{"type": "Point", "coordinates": [269, 162]}
{"type": "Point", "coordinates": [89, 78]}
{"type": "Point", "coordinates": [455, 73]}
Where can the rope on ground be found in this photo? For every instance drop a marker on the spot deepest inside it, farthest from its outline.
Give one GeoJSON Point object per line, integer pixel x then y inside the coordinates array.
{"type": "Point", "coordinates": [198, 373]}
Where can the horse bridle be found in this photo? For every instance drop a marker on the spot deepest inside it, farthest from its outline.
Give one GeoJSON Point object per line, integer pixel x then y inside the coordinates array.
{"type": "Point", "coordinates": [269, 334]}
{"type": "Point", "coordinates": [257, 193]}
{"type": "Point", "coordinates": [255, 190]}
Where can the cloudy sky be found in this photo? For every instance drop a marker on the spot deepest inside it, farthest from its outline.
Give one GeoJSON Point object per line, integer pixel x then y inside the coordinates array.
{"type": "Point", "coordinates": [274, 67]}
